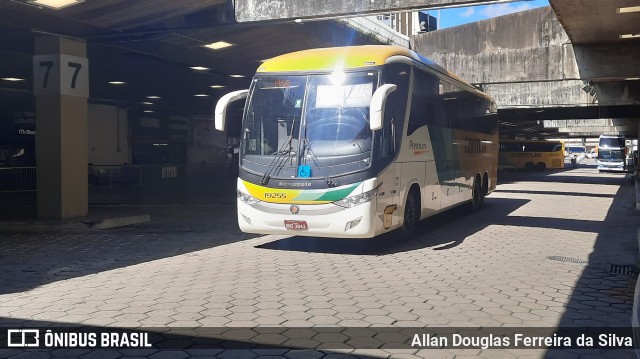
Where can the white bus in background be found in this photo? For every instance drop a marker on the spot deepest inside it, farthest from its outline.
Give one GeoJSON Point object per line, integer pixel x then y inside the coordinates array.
{"type": "Point", "coordinates": [612, 153]}
{"type": "Point", "coordinates": [353, 142]}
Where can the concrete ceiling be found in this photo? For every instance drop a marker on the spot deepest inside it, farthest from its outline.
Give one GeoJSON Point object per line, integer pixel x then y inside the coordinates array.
{"type": "Point", "coordinates": [594, 22]}
{"type": "Point", "coordinates": [151, 45]}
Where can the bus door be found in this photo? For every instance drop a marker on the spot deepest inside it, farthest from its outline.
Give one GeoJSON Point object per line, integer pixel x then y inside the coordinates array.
{"type": "Point", "coordinates": [388, 143]}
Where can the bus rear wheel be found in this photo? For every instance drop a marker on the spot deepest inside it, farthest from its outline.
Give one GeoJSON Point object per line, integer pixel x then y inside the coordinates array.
{"type": "Point", "coordinates": [411, 214]}
{"type": "Point", "coordinates": [476, 196]}
{"type": "Point", "coordinates": [541, 166]}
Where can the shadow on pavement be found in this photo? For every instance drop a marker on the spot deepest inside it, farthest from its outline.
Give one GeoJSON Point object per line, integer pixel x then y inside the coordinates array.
{"type": "Point", "coordinates": [431, 232]}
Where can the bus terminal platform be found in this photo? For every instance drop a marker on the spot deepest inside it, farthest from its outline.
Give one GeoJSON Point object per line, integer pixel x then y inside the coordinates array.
{"type": "Point", "coordinates": [551, 249]}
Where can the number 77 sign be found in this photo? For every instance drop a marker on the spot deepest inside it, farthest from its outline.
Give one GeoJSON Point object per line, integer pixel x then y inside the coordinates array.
{"type": "Point", "coordinates": [60, 74]}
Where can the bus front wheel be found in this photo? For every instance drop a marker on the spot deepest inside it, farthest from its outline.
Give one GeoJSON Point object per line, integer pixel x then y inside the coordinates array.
{"type": "Point", "coordinates": [411, 214]}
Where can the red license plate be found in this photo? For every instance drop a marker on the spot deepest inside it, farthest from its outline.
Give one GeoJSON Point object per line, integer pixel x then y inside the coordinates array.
{"type": "Point", "coordinates": [295, 225]}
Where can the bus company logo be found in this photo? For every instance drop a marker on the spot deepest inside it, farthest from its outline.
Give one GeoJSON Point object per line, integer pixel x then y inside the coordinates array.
{"type": "Point", "coordinates": [294, 209]}
{"type": "Point", "coordinates": [23, 338]}
{"type": "Point", "coordinates": [294, 184]}
{"type": "Point", "coordinates": [417, 146]}
{"type": "Point", "coordinates": [275, 195]}
{"type": "Point", "coordinates": [22, 131]}
{"type": "Point", "coordinates": [526, 154]}
{"type": "Point", "coordinates": [474, 145]}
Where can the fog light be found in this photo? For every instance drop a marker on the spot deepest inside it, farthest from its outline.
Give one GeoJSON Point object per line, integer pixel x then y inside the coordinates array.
{"type": "Point", "coordinates": [246, 219]}
{"type": "Point", "coordinates": [352, 224]}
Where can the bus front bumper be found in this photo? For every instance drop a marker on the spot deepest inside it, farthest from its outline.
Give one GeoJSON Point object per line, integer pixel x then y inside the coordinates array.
{"type": "Point", "coordinates": [615, 166]}
{"type": "Point", "coordinates": [323, 220]}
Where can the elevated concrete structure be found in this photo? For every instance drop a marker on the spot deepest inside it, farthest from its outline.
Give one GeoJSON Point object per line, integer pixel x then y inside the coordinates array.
{"type": "Point", "coordinates": [594, 127]}
{"type": "Point", "coordinates": [377, 30]}
{"type": "Point", "coordinates": [527, 62]}
{"type": "Point", "coordinates": [522, 59]}
{"type": "Point", "coordinates": [281, 10]}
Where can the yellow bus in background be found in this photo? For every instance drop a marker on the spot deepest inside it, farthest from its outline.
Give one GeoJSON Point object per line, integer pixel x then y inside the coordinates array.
{"type": "Point", "coordinates": [530, 155]}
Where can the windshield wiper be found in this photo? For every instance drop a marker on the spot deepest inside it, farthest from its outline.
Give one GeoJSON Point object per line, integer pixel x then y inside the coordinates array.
{"type": "Point", "coordinates": [280, 159]}
{"type": "Point", "coordinates": [307, 147]}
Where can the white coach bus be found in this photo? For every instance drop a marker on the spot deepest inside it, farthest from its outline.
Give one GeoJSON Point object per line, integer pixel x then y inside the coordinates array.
{"type": "Point", "coordinates": [353, 142]}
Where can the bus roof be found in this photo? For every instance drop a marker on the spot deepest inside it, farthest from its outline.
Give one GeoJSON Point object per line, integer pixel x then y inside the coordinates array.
{"type": "Point", "coordinates": [346, 57]}
{"type": "Point", "coordinates": [349, 57]}
{"type": "Point", "coordinates": [330, 58]}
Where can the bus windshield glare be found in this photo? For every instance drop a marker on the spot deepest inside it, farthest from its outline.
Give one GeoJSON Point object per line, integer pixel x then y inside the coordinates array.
{"type": "Point", "coordinates": [314, 120]}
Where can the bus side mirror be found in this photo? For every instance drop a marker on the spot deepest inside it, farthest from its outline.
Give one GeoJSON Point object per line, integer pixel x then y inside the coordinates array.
{"type": "Point", "coordinates": [376, 108]}
{"type": "Point", "coordinates": [222, 105]}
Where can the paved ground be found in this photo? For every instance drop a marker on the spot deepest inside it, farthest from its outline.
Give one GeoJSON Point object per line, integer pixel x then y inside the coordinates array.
{"type": "Point", "coordinates": [540, 254]}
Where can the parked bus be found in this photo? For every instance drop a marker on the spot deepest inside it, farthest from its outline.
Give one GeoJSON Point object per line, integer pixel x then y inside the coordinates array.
{"type": "Point", "coordinates": [612, 153]}
{"type": "Point", "coordinates": [531, 155]}
{"type": "Point", "coordinates": [353, 142]}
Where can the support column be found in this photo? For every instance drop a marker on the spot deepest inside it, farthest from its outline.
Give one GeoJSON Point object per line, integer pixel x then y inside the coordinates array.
{"type": "Point", "coordinates": [61, 88]}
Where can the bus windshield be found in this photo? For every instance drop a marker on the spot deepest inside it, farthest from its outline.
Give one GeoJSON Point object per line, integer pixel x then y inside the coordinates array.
{"type": "Point", "coordinates": [610, 155]}
{"type": "Point", "coordinates": [313, 120]}
{"type": "Point", "coordinates": [615, 142]}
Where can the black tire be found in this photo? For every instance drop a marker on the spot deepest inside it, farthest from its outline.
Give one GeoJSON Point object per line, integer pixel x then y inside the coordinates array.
{"type": "Point", "coordinates": [476, 196]}
{"type": "Point", "coordinates": [529, 166]}
{"type": "Point", "coordinates": [541, 166]}
{"type": "Point", "coordinates": [484, 189]}
{"type": "Point", "coordinates": [411, 215]}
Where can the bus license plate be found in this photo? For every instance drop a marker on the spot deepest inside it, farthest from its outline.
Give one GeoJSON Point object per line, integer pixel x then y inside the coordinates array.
{"type": "Point", "coordinates": [295, 225]}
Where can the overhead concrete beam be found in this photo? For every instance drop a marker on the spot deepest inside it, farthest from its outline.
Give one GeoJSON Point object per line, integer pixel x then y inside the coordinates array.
{"type": "Point", "coordinates": [377, 30]}
{"type": "Point", "coordinates": [594, 127]}
{"type": "Point", "coordinates": [597, 131]}
{"type": "Point", "coordinates": [596, 122]}
{"type": "Point", "coordinates": [607, 61]}
{"type": "Point", "coordinates": [525, 46]}
{"type": "Point", "coordinates": [538, 94]}
{"type": "Point", "coordinates": [618, 92]}
{"type": "Point", "coordinates": [270, 10]}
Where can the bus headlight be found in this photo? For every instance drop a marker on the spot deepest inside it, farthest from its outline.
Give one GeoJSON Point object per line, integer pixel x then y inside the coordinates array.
{"type": "Point", "coordinates": [246, 198]}
{"type": "Point", "coordinates": [357, 199]}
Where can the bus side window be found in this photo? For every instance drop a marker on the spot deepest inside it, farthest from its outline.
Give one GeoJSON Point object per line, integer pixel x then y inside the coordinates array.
{"type": "Point", "coordinates": [391, 132]}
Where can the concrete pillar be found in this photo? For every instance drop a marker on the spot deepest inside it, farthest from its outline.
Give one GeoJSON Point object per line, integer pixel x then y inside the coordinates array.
{"type": "Point", "coordinates": [61, 88]}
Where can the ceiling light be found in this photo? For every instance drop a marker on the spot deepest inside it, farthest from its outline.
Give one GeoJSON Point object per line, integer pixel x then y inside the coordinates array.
{"type": "Point", "coordinates": [117, 82]}
{"type": "Point", "coordinates": [199, 68]}
{"type": "Point", "coordinates": [216, 86]}
{"type": "Point", "coordinates": [236, 76]}
{"type": "Point", "coordinates": [624, 10]}
{"type": "Point", "coordinates": [201, 95]}
{"type": "Point", "coordinates": [12, 79]}
{"type": "Point", "coordinates": [218, 45]}
{"type": "Point", "coordinates": [154, 97]}
{"type": "Point", "coordinates": [632, 78]}
{"type": "Point", "coordinates": [146, 103]}
{"type": "Point", "coordinates": [55, 4]}
{"type": "Point", "coordinates": [629, 36]}
{"type": "Point", "coordinates": [149, 111]}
